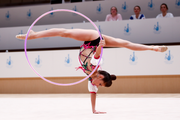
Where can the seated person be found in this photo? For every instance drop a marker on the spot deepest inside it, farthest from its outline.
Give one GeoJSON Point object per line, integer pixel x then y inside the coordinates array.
{"type": "Point", "coordinates": [165, 13]}
{"type": "Point", "coordinates": [114, 16]}
{"type": "Point", "coordinates": [137, 15]}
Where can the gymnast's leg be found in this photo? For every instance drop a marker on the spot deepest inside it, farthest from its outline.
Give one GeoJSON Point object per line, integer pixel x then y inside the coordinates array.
{"type": "Point", "coordinates": [77, 34]}
{"type": "Point", "coordinates": [88, 35]}
{"type": "Point", "coordinates": [116, 42]}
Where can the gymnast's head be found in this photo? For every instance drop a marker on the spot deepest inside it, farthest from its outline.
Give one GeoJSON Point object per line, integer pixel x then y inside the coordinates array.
{"type": "Point", "coordinates": [103, 78]}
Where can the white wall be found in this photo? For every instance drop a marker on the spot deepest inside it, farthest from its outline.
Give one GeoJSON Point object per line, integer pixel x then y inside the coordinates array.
{"type": "Point", "coordinates": [119, 61]}
{"type": "Point", "coordinates": [140, 31]}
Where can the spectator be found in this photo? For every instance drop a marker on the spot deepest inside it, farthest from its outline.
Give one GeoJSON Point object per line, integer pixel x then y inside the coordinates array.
{"type": "Point", "coordinates": [164, 10]}
{"type": "Point", "coordinates": [137, 15]}
{"type": "Point", "coordinates": [114, 16]}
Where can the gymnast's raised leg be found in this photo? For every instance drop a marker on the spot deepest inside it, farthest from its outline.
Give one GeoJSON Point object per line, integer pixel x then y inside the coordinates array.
{"type": "Point", "coordinates": [89, 35]}
{"type": "Point", "coordinates": [77, 34]}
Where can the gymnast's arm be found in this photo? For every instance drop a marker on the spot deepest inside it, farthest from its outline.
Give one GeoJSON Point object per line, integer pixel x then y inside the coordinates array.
{"type": "Point", "coordinates": [98, 50]}
{"type": "Point", "coordinates": [93, 95]}
{"type": "Point", "coordinates": [93, 103]}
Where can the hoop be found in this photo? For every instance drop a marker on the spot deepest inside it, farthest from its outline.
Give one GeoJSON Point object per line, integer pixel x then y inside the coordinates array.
{"type": "Point", "coordinates": [58, 10]}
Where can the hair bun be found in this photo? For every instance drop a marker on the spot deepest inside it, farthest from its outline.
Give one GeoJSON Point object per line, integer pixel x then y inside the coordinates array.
{"type": "Point", "coordinates": [113, 77]}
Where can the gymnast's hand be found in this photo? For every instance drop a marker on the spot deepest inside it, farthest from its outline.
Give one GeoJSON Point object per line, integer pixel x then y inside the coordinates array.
{"type": "Point", "coordinates": [23, 36]}
{"type": "Point", "coordinates": [102, 43]}
{"type": "Point", "coordinates": [98, 112]}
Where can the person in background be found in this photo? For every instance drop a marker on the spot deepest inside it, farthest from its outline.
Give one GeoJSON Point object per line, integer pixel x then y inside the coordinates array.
{"type": "Point", "coordinates": [137, 15]}
{"type": "Point", "coordinates": [114, 16]}
{"type": "Point", "coordinates": [165, 13]}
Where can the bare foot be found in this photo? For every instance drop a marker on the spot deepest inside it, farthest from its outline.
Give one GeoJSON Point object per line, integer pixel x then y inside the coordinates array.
{"type": "Point", "coordinates": [23, 36]}
{"type": "Point", "coordinates": [160, 48]}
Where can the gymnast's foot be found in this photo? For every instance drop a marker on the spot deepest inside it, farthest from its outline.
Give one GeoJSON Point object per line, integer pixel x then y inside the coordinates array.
{"type": "Point", "coordinates": [160, 48]}
{"type": "Point", "coordinates": [23, 36]}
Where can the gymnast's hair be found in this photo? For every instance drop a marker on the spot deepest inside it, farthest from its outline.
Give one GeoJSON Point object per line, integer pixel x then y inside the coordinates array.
{"type": "Point", "coordinates": [107, 78]}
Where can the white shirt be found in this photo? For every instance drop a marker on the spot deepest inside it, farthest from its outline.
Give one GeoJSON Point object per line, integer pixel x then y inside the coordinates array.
{"type": "Point", "coordinates": [95, 61]}
{"type": "Point", "coordinates": [168, 15]}
{"type": "Point", "coordinates": [141, 16]}
{"type": "Point", "coordinates": [109, 17]}
{"type": "Point", "coordinates": [92, 88]}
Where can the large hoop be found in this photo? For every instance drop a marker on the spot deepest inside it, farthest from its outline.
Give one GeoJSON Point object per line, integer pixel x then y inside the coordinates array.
{"type": "Point", "coordinates": [58, 10]}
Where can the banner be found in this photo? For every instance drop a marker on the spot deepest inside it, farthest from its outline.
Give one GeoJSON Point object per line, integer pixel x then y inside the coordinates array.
{"type": "Point", "coordinates": [63, 63]}
{"type": "Point", "coordinates": [149, 31]}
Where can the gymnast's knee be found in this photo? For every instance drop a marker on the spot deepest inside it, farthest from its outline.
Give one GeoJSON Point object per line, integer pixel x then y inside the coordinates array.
{"type": "Point", "coordinates": [65, 32]}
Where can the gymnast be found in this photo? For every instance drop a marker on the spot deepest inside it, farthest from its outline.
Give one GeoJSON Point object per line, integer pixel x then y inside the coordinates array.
{"type": "Point", "coordinates": [90, 53]}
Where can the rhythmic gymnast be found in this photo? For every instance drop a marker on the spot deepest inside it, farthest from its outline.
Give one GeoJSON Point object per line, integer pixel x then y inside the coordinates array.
{"type": "Point", "coordinates": [90, 53]}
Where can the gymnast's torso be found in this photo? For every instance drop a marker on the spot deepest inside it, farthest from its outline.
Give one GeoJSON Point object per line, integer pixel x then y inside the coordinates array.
{"type": "Point", "coordinates": [87, 50]}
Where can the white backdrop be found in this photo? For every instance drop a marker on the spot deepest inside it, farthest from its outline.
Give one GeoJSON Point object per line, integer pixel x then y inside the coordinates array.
{"type": "Point", "coordinates": [149, 31]}
{"type": "Point", "coordinates": [119, 61]}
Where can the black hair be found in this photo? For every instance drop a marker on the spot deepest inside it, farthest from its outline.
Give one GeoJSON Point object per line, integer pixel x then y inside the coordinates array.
{"type": "Point", "coordinates": [138, 7]}
{"type": "Point", "coordinates": [115, 7]}
{"type": "Point", "coordinates": [107, 78]}
{"type": "Point", "coordinates": [165, 5]}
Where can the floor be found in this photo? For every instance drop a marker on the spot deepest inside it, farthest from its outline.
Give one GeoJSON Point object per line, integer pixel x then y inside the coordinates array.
{"type": "Point", "coordinates": [78, 107]}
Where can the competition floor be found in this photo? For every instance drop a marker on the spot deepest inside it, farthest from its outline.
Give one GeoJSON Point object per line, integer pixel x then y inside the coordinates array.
{"type": "Point", "coordinates": [78, 107]}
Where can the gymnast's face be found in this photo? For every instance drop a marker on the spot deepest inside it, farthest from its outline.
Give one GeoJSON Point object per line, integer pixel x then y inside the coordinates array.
{"type": "Point", "coordinates": [98, 81]}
